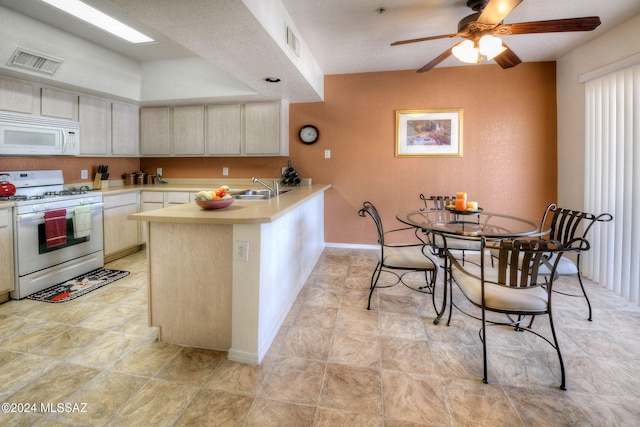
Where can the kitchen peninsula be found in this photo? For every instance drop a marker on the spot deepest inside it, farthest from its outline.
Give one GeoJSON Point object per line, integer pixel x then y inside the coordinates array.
{"type": "Point", "coordinates": [205, 292]}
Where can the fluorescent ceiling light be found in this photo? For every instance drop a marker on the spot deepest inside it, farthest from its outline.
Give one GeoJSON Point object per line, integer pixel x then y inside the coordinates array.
{"type": "Point", "coordinates": [99, 19]}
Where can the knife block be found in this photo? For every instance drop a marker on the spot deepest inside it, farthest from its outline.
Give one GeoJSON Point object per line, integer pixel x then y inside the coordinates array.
{"type": "Point", "coordinates": [99, 183]}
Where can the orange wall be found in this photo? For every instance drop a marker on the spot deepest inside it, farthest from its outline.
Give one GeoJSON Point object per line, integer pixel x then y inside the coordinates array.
{"type": "Point", "coordinates": [71, 166]}
{"type": "Point", "coordinates": [509, 141]}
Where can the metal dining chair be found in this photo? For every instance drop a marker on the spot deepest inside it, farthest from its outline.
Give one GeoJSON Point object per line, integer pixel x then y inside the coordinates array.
{"type": "Point", "coordinates": [412, 256]}
{"type": "Point", "coordinates": [565, 225]}
{"type": "Point", "coordinates": [515, 288]}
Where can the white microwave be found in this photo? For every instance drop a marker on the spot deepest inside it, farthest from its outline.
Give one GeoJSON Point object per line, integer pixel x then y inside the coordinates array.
{"type": "Point", "coordinates": [38, 136]}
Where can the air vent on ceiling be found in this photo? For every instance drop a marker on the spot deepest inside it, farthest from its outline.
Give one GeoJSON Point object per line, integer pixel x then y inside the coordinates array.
{"type": "Point", "coordinates": [35, 61]}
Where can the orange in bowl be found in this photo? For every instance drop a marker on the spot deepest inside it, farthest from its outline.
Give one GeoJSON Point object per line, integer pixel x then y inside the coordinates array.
{"type": "Point", "coordinates": [214, 204]}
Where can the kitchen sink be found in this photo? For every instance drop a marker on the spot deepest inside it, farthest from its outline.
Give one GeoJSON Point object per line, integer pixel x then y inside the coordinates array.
{"type": "Point", "coordinates": [256, 194]}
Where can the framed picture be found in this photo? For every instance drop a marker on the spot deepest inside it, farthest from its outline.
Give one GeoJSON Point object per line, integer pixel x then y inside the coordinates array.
{"type": "Point", "coordinates": [432, 133]}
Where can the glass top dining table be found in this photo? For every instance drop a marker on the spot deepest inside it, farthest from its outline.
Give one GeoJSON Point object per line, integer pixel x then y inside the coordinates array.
{"type": "Point", "coordinates": [487, 224]}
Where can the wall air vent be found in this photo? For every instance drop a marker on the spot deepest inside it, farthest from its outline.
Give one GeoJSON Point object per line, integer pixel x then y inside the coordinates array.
{"type": "Point", "coordinates": [292, 42]}
{"type": "Point", "coordinates": [34, 61]}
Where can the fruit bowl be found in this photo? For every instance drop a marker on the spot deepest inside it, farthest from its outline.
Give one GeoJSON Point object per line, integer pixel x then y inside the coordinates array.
{"type": "Point", "coordinates": [214, 204]}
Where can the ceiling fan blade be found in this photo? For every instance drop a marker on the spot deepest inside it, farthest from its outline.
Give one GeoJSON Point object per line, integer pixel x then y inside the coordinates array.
{"type": "Point", "coordinates": [496, 10]}
{"type": "Point", "coordinates": [444, 55]}
{"type": "Point", "coordinates": [588, 23]}
{"type": "Point", "coordinates": [423, 39]}
{"type": "Point", "coordinates": [507, 59]}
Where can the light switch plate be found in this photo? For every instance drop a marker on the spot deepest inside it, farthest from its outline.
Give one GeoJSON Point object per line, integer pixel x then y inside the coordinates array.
{"type": "Point", "coordinates": [225, 171]}
{"type": "Point", "coordinates": [159, 171]}
{"type": "Point", "coordinates": [84, 174]}
{"type": "Point", "coordinates": [327, 154]}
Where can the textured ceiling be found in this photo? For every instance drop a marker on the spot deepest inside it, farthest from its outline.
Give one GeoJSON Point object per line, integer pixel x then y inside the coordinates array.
{"type": "Point", "coordinates": [342, 36]}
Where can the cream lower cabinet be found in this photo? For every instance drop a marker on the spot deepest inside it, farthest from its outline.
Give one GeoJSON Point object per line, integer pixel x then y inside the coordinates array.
{"type": "Point", "coordinates": [151, 200]}
{"type": "Point", "coordinates": [121, 236]}
{"type": "Point", "coordinates": [6, 253]}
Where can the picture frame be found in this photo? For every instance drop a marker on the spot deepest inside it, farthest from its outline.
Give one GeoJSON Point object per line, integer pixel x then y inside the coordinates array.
{"type": "Point", "coordinates": [429, 133]}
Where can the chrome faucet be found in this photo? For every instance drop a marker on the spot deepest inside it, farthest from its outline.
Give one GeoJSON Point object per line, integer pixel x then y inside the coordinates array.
{"type": "Point", "coordinates": [275, 191]}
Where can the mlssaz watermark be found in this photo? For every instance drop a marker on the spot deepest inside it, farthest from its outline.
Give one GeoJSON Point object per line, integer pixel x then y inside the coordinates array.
{"type": "Point", "coordinates": [44, 408]}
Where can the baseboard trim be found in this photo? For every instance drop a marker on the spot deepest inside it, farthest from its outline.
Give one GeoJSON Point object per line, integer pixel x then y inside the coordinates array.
{"type": "Point", "coordinates": [350, 246]}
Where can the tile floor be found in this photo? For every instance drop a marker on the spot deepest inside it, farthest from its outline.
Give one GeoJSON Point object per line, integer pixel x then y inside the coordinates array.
{"type": "Point", "coordinates": [333, 363]}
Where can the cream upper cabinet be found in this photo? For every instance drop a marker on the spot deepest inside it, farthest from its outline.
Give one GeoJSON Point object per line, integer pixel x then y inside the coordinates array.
{"type": "Point", "coordinates": [262, 128]}
{"type": "Point", "coordinates": [224, 124]}
{"type": "Point", "coordinates": [95, 126]}
{"type": "Point", "coordinates": [155, 139]}
{"type": "Point", "coordinates": [54, 103]}
{"type": "Point", "coordinates": [16, 96]}
{"type": "Point", "coordinates": [251, 129]}
{"type": "Point", "coordinates": [6, 251]}
{"type": "Point", "coordinates": [125, 129]}
{"type": "Point", "coordinates": [188, 131]}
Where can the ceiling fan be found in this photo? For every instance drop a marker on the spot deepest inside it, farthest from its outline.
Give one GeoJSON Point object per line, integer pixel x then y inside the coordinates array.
{"type": "Point", "coordinates": [478, 30]}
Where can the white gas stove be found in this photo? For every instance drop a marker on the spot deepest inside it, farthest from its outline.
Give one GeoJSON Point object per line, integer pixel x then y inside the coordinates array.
{"type": "Point", "coordinates": [39, 263]}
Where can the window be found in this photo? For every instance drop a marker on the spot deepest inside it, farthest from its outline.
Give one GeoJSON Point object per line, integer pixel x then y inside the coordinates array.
{"type": "Point", "coordinates": [612, 180]}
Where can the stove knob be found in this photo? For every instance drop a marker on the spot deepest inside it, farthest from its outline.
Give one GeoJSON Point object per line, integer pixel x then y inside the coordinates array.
{"type": "Point", "coordinates": [35, 208]}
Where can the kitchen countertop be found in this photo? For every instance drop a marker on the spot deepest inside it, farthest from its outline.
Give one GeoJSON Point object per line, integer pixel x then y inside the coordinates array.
{"type": "Point", "coordinates": [189, 184]}
{"type": "Point", "coordinates": [4, 205]}
{"type": "Point", "coordinates": [240, 212]}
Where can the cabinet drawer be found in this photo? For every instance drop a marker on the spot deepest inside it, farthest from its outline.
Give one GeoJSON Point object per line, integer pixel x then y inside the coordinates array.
{"type": "Point", "coordinates": [120, 200]}
{"type": "Point", "coordinates": [153, 196]}
{"type": "Point", "coordinates": [177, 197]}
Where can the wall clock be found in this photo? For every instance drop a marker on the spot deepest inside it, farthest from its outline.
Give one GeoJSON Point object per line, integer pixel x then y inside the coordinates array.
{"type": "Point", "coordinates": [309, 134]}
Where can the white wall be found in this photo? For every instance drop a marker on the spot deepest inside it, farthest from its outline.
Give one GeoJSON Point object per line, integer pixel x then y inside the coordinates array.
{"type": "Point", "coordinates": [606, 49]}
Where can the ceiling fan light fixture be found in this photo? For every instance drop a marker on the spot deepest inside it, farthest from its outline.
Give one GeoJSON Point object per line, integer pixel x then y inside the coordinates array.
{"type": "Point", "coordinates": [490, 46]}
{"type": "Point", "coordinates": [466, 52]}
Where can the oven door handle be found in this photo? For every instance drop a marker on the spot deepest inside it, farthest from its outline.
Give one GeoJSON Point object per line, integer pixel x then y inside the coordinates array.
{"type": "Point", "coordinates": [40, 215]}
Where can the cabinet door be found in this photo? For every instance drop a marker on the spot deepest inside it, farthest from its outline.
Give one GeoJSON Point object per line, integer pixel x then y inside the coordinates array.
{"type": "Point", "coordinates": [54, 103]}
{"type": "Point", "coordinates": [15, 96]}
{"type": "Point", "coordinates": [224, 129]}
{"type": "Point", "coordinates": [155, 138]}
{"type": "Point", "coordinates": [262, 128]}
{"type": "Point", "coordinates": [188, 130]}
{"type": "Point", "coordinates": [125, 129]}
{"type": "Point", "coordinates": [6, 251]}
{"type": "Point", "coordinates": [151, 200]}
{"type": "Point", "coordinates": [119, 232]}
{"type": "Point", "coordinates": [95, 125]}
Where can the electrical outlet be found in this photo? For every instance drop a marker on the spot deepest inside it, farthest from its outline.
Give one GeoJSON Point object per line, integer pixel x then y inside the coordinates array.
{"type": "Point", "coordinates": [84, 174]}
{"type": "Point", "coordinates": [225, 171]}
{"type": "Point", "coordinates": [159, 171]}
{"type": "Point", "coordinates": [327, 154]}
{"type": "Point", "coordinates": [242, 250]}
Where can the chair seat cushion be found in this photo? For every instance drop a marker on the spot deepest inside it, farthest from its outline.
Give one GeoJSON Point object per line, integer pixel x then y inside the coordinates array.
{"type": "Point", "coordinates": [499, 297]}
{"type": "Point", "coordinates": [457, 244]}
{"type": "Point", "coordinates": [566, 267]}
{"type": "Point", "coordinates": [407, 257]}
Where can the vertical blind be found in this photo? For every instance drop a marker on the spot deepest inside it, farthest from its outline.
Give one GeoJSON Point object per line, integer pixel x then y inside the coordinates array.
{"type": "Point", "coordinates": [612, 181]}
